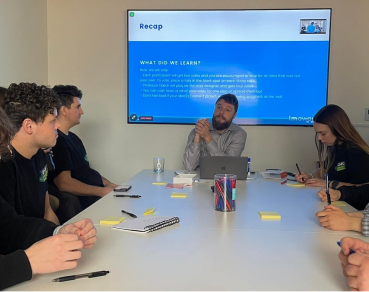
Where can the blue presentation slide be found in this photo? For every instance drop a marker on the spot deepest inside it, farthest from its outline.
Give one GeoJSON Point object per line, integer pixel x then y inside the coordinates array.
{"type": "Point", "coordinates": [276, 82]}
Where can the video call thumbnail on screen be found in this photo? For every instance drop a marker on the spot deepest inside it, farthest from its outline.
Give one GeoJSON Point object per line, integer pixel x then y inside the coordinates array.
{"type": "Point", "coordinates": [274, 61]}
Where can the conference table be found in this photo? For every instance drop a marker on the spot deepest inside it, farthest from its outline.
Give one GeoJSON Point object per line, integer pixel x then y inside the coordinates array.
{"type": "Point", "coordinates": [208, 249]}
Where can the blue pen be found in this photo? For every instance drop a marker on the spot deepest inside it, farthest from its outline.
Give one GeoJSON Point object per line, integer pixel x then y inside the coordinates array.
{"type": "Point", "coordinates": [351, 250]}
{"type": "Point", "coordinates": [327, 189]}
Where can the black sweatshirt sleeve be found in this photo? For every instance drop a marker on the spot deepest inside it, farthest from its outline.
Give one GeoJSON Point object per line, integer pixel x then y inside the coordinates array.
{"type": "Point", "coordinates": [19, 232]}
{"type": "Point", "coordinates": [356, 196]}
{"type": "Point", "coordinates": [14, 269]}
{"type": "Point", "coordinates": [358, 166]}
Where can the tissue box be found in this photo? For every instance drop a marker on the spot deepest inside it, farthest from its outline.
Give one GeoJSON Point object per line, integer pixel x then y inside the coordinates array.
{"type": "Point", "coordinates": [186, 178]}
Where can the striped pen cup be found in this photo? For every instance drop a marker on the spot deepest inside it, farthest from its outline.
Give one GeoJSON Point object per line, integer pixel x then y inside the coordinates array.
{"type": "Point", "coordinates": [225, 192]}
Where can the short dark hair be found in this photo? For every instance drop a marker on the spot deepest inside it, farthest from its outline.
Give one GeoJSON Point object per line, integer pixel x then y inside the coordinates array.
{"type": "Point", "coordinates": [229, 98]}
{"type": "Point", "coordinates": [28, 100]}
{"type": "Point", "coordinates": [66, 93]}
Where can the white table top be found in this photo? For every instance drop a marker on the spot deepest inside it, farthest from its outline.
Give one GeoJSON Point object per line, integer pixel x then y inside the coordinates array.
{"type": "Point", "coordinates": [208, 249]}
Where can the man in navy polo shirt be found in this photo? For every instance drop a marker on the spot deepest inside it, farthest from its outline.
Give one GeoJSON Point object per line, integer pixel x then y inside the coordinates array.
{"type": "Point", "coordinates": [80, 185]}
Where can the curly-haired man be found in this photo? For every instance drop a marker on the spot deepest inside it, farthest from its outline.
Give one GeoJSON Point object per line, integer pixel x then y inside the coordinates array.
{"type": "Point", "coordinates": [18, 234]}
{"type": "Point", "coordinates": [32, 110]}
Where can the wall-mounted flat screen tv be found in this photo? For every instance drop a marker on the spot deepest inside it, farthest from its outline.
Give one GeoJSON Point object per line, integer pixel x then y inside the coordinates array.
{"type": "Point", "coordinates": [274, 61]}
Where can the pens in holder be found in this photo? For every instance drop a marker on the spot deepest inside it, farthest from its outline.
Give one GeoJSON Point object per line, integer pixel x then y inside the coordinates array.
{"type": "Point", "coordinates": [327, 189]}
{"type": "Point", "coordinates": [298, 169]}
{"type": "Point", "coordinates": [225, 192]}
{"type": "Point", "coordinates": [130, 214]}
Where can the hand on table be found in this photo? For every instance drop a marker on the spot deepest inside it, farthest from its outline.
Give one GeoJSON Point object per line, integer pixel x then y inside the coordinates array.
{"type": "Point", "coordinates": [315, 182]}
{"type": "Point", "coordinates": [106, 190]}
{"type": "Point", "coordinates": [85, 229]}
{"type": "Point", "coordinates": [55, 253]}
{"type": "Point", "coordinates": [355, 266]}
{"type": "Point", "coordinates": [334, 218]}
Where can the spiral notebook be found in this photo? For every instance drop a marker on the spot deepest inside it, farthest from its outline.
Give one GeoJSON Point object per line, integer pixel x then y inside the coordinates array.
{"type": "Point", "coordinates": [147, 224]}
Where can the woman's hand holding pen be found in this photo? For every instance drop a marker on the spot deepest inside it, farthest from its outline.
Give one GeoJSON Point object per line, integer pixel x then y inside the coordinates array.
{"type": "Point", "coordinates": [303, 177]}
{"type": "Point", "coordinates": [309, 181]}
{"type": "Point", "coordinates": [335, 194]}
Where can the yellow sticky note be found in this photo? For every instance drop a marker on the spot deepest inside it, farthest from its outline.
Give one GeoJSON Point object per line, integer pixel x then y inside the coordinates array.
{"type": "Point", "coordinates": [159, 183]}
{"type": "Point", "coordinates": [148, 214]}
{"type": "Point", "coordinates": [112, 220]}
{"type": "Point", "coordinates": [178, 195]}
{"type": "Point", "coordinates": [149, 211]}
{"type": "Point", "coordinates": [295, 185]}
{"type": "Point", "coordinates": [339, 204]}
{"type": "Point", "coordinates": [270, 215]}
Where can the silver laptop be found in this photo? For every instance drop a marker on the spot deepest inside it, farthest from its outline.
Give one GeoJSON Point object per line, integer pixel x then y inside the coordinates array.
{"type": "Point", "coordinates": [212, 165]}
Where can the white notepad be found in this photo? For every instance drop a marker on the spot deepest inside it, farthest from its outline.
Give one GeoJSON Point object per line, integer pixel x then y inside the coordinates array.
{"type": "Point", "coordinates": [147, 223]}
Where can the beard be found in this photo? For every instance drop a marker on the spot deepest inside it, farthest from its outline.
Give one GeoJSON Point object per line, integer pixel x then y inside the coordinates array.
{"type": "Point", "coordinates": [222, 124]}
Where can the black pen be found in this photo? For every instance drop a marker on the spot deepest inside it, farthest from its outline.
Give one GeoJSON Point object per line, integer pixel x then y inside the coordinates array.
{"type": "Point", "coordinates": [327, 189]}
{"type": "Point", "coordinates": [130, 214]}
{"type": "Point", "coordinates": [128, 196]}
{"type": "Point", "coordinates": [298, 169]}
{"type": "Point", "coordinates": [87, 275]}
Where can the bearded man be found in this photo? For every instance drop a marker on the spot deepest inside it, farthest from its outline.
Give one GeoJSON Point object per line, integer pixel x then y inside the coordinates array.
{"type": "Point", "coordinates": [221, 137]}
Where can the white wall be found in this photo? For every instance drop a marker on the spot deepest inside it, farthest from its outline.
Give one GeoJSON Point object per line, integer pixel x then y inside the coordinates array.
{"type": "Point", "coordinates": [87, 47]}
{"type": "Point", "coordinates": [23, 41]}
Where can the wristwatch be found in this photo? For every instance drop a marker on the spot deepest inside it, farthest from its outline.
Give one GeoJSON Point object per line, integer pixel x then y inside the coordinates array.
{"type": "Point", "coordinates": [334, 184]}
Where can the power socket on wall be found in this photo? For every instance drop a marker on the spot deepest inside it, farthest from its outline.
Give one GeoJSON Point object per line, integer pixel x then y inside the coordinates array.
{"type": "Point", "coordinates": [367, 114]}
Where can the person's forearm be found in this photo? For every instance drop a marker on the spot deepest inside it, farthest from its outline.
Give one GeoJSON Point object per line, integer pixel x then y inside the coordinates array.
{"type": "Point", "coordinates": [341, 184]}
{"type": "Point", "coordinates": [197, 138]}
{"type": "Point", "coordinates": [191, 154]}
{"type": "Point", "coordinates": [356, 224]}
{"type": "Point", "coordinates": [357, 197]}
{"type": "Point", "coordinates": [316, 173]}
{"type": "Point", "coordinates": [356, 214]}
{"type": "Point", "coordinates": [106, 182]}
{"type": "Point", "coordinates": [50, 215]}
{"type": "Point", "coordinates": [15, 268]}
{"type": "Point", "coordinates": [208, 139]}
{"type": "Point", "coordinates": [79, 188]}
{"type": "Point", "coordinates": [13, 227]}
{"type": "Point", "coordinates": [191, 158]}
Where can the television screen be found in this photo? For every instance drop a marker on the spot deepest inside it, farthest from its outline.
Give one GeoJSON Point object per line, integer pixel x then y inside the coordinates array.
{"type": "Point", "coordinates": [274, 61]}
